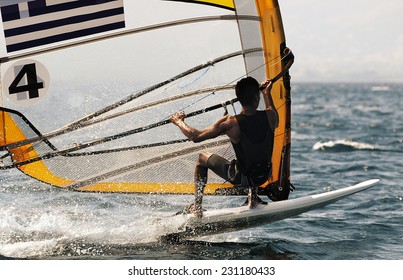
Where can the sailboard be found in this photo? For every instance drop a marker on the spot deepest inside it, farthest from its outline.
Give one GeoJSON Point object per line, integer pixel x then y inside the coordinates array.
{"type": "Point", "coordinates": [88, 86]}
{"type": "Point", "coordinates": [233, 219]}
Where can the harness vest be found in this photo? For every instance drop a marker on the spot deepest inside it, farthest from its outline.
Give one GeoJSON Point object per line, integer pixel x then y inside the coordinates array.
{"type": "Point", "coordinates": [255, 148]}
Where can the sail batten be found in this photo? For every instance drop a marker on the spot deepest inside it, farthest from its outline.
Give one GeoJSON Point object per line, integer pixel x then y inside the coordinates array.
{"type": "Point", "coordinates": [127, 32]}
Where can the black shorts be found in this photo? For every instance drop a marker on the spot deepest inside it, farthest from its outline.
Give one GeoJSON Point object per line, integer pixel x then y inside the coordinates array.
{"type": "Point", "coordinates": [228, 170]}
{"type": "Point", "coordinates": [224, 168]}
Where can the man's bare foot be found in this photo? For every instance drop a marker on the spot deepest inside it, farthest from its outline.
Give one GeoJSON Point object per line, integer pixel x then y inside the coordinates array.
{"type": "Point", "coordinates": [195, 209]}
{"type": "Point", "coordinates": [253, 199]}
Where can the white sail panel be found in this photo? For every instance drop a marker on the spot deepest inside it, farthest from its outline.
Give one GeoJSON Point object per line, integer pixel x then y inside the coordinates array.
{"type": "Point", "coordinates": [251, 33]}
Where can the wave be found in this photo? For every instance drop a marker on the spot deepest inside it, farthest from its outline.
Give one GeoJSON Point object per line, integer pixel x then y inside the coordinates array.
{"type": "Point", "coordinates": [342, 146]}
{"type": "Point", "coordinates": [380, 88]}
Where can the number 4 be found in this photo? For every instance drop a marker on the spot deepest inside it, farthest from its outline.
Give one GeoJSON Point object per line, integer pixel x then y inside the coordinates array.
{"type": "Point", "coordinates": [32, 85]}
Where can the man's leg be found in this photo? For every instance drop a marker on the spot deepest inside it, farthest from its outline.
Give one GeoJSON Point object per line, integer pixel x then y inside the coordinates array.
{"type": "Point", "coordinates": [200, 181]}
{"type": "Point", "coordinates": [253, 199]}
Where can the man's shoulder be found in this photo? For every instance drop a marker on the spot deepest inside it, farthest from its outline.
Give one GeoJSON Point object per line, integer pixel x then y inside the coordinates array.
{"type": "Point", "coordinates": [232, 120]}
{"type": "Point", "coordinates": [227, 120]}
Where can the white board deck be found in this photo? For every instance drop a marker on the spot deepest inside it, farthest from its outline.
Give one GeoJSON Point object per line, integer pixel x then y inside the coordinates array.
{"type": "Point", "coordinates": [234, 219]}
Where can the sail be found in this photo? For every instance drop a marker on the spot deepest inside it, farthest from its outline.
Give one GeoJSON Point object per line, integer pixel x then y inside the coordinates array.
{"type": "Point", "coordinates": [87, 90]}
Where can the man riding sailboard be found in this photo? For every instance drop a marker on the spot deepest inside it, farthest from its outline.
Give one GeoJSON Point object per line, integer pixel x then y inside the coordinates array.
{"type": "Point", "coordinates": [252, 135]}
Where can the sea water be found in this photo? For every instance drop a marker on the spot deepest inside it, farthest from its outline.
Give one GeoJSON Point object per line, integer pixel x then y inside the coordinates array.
{"type": "Point", "coordinates": [342, 134]}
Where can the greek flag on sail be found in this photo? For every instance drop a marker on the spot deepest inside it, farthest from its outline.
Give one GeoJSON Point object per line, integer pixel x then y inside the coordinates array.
{"type": "Point", "coordinates": [29, 24]}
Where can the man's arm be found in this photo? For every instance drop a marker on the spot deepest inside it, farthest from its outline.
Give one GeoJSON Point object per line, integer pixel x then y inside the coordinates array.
{"type": "Point", "coordinates": [268, 100]}
{"type": "Point", "coordinates": [218, 128]}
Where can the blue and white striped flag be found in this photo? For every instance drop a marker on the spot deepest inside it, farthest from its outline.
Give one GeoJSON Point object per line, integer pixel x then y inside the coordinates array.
{"type": "Point", "coordinates": [35, 23]}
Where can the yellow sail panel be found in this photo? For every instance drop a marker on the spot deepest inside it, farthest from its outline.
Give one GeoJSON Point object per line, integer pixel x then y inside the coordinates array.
{"type": "Point", "coordinates": [39, 171]}
{"type": "Point", "coordinates": [229, 4]}
{"type": "Point", "coordinates": [10, 132]}
{"type": "Point", "coordinates": [223, 3]}
{"type": "Point", "coordinates": [272, 34]}
{"type": "Point", "coordinates": [275, 54]}
{"type": "Point", "coordinates": [147, 187]}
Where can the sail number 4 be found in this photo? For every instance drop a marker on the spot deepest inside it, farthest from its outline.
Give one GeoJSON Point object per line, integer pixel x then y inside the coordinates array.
{"type": "Point", "coordinates": [26, 82]}
{"type": "Point", "coordinates": [28, 71]}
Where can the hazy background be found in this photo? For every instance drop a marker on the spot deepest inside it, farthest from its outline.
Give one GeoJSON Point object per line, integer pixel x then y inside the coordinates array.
{"type": "Point", "coordinates": [334, 40]}
{"type": "Point", "coordinates": [340, 40]}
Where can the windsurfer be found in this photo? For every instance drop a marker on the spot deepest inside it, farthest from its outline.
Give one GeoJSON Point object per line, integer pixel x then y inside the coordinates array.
{"type": "Point", "coordinates": [252, 135]}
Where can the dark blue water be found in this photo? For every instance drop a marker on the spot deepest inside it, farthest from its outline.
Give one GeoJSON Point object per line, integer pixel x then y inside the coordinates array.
{"type": "Point", "coordinates": [342, 134]}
